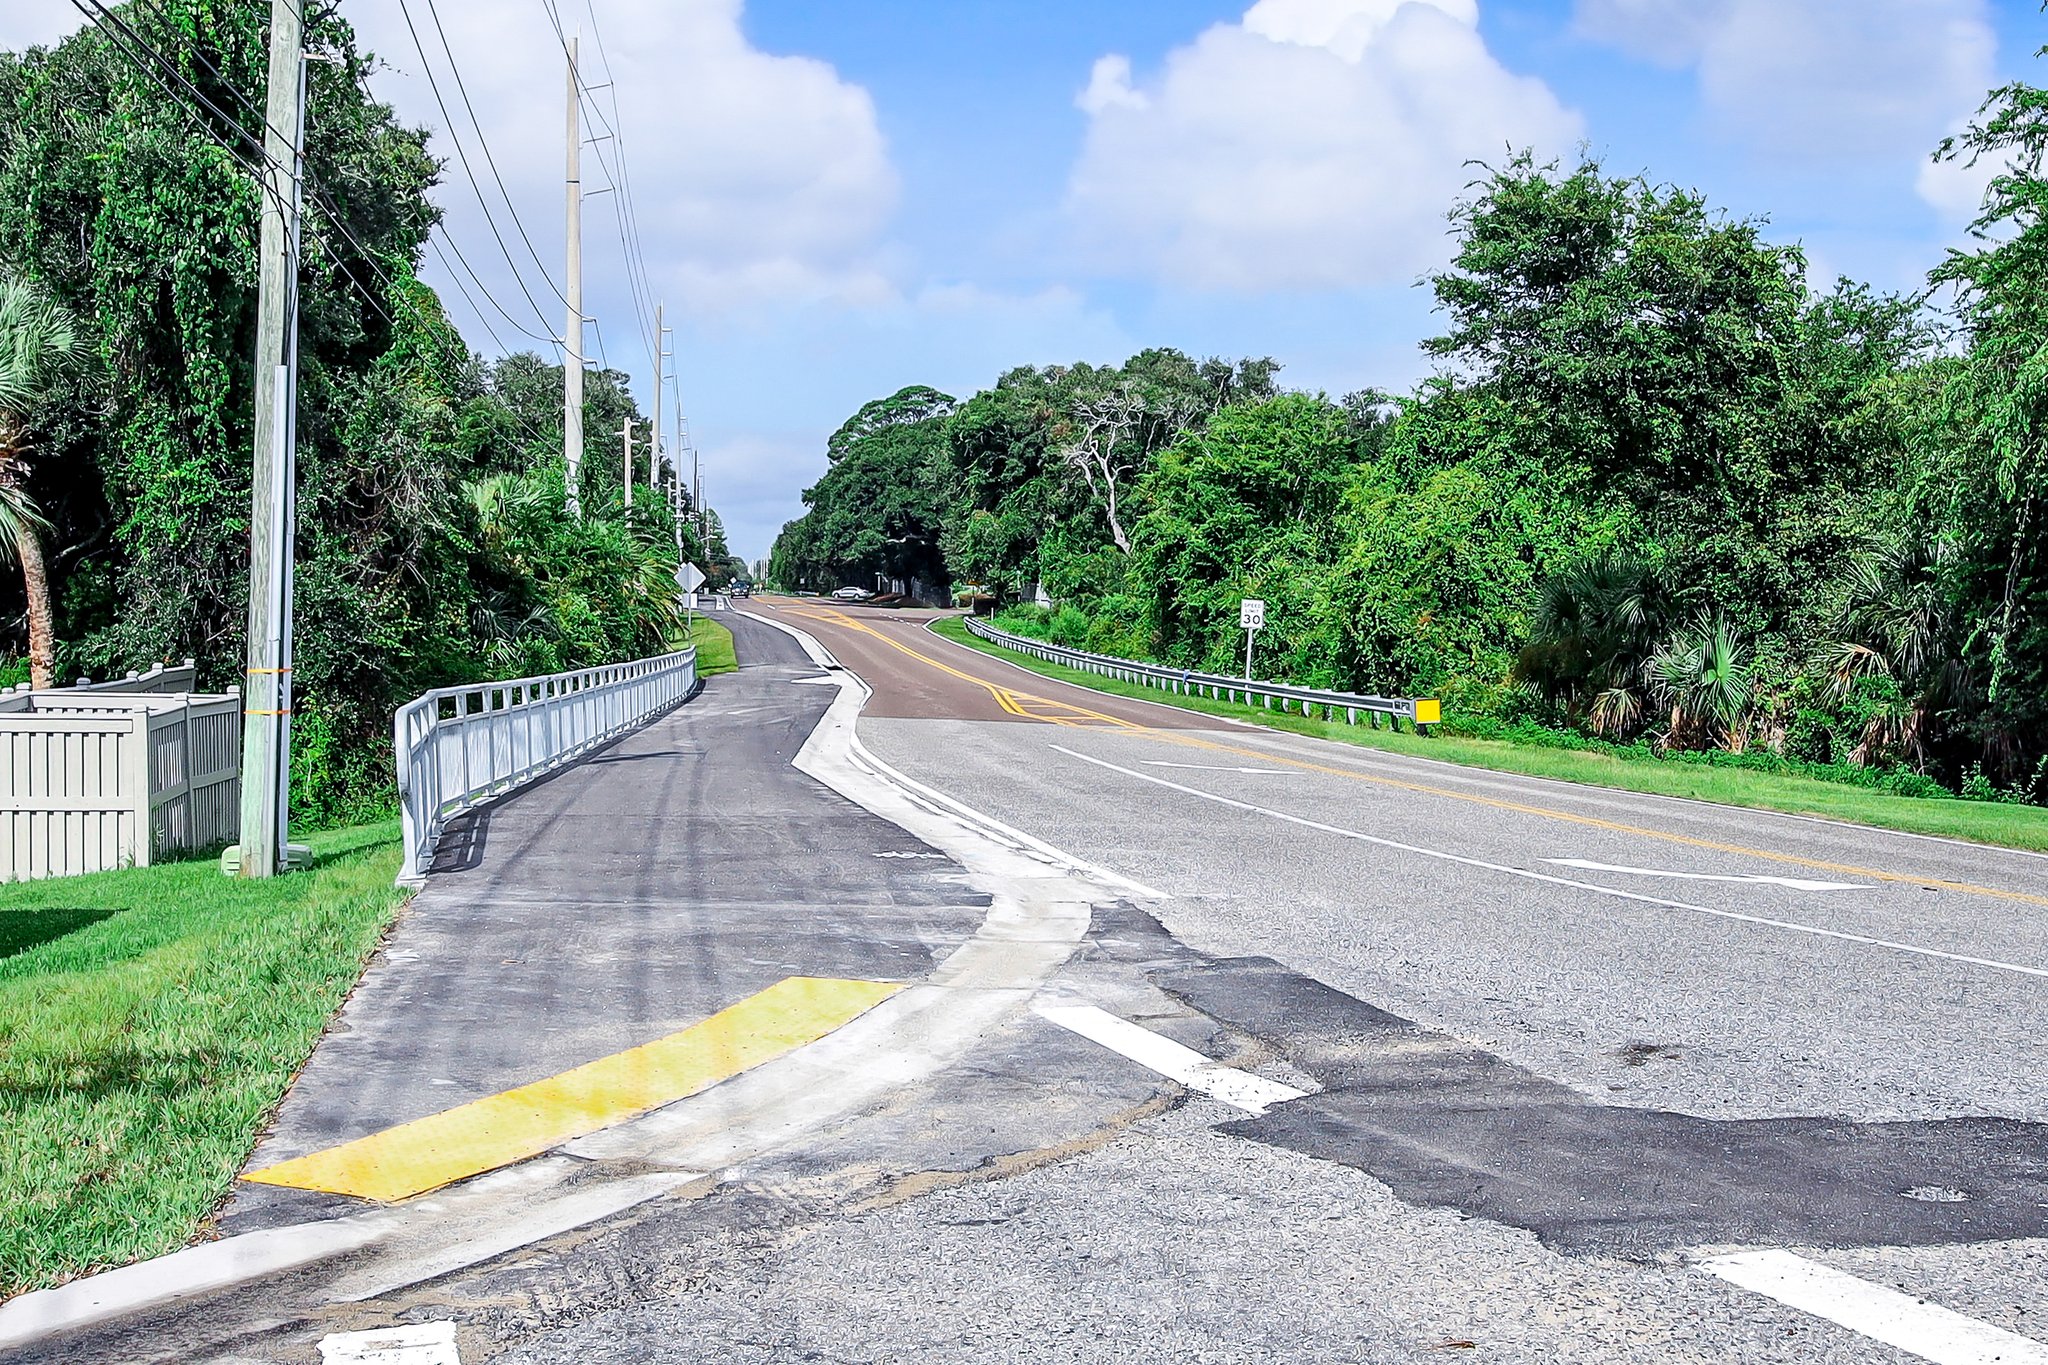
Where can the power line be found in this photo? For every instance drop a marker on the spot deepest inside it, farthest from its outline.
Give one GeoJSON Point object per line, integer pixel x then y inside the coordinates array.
{"type": "Point", "coordinates": [128, 43]}
{"type": "Point", "coordinates": [510, 207]}
{"type": "Point", "coordinates": [619, 182]}
{"type": "Point", "coordinates": [316, 191]}
{"type": "Point", "coordinates": [469, 171]}
{"type": "Point", "coordinates": [629, 225]}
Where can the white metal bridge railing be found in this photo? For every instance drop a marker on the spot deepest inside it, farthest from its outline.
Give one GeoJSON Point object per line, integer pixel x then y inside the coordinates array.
{"type": "Point", "coordinates": [1186, 682]}
{"type": "Point", "coordinates": [458, 747]}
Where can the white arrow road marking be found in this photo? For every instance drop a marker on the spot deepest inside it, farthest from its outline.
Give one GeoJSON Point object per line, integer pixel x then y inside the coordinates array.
{"type": "Point", "coordinates": [1883, 1314]}
{"type": "Point", "coordinates": [1212, 768]}
{"type": "Point", "coordinates": [428, 1343]}
{"type": "Point", "coordinates": [1240, 1089]}
{"type": "Point", "coordinates": [1792, 926]}
{"type": "Point", "coordinates": [1794, 882]}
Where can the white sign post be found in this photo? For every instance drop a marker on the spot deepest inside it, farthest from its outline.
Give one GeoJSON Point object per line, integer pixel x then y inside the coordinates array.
{"type": "Point", "coordinates": [689, 578]}
{"type": "Point", "coordinates": [1251, 614]}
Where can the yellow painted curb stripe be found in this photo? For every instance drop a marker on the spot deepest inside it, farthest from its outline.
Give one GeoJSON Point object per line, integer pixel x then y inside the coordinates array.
{"type": "Point", "coordinates": [516, 1124]}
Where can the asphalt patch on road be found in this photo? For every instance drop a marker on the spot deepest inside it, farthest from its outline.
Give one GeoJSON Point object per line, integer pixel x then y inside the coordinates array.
{"type": "Point", "coordinates": [1445, 1123]}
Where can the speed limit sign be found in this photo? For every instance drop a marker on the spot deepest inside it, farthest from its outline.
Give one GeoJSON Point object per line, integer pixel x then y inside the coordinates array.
{"type": "Point", "coordinates": [1251, 614]}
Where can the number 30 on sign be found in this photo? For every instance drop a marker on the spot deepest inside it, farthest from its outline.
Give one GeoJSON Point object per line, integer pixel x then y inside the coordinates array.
{"type": "Point", "coordinates": [1251, 614]}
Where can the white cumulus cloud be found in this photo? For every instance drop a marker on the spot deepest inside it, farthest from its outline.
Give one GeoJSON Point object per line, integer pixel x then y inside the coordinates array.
{"type": "Point", "coordinates": [755, 176]}
{"type": "Point", "coordinates": [1820, 81]}
{"type": "Point", "coordinates": [1312, 144]}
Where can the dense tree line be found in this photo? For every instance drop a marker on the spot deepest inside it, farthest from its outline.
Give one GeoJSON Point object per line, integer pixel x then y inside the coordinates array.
{"type": "Point", "coordinates": [432, 542]}
{"type": "Point", "coordinates": [1660, 490]}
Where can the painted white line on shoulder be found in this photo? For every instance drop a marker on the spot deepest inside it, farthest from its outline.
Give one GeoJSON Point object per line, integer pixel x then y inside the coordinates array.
{"type": "Point", "coordinates": [426, 1343]}
{"type": "Point", "coordinates": [1213, 768]}
{"type": "Point", "coordinates": [1797, 884]}
{"type": "Point", "coordinates": [1502, 779]}
{"type": "Point", "coordinates": [1883, 1314]}
{"type": "Point", "coordinates": [1764, 920]}
{"type": "Point", "coordinates": [1239, 1089]}
{"type": "Point", "coordinates": [992, 827]}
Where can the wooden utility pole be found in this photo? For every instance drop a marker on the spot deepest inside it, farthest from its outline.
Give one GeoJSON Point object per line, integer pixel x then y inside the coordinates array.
{"type": "Point", "coordinates": [572, 335]}
{"type": "Point", "coordinates": [626, 439]}
{"type": "Point", "coordinates": [266, 692]}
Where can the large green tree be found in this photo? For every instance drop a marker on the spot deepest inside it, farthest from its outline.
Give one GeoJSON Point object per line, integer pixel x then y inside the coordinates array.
{"type": "Point", "coordinates": [136, 207]}
{"type": "Point", "coordinates": [1985, 480]}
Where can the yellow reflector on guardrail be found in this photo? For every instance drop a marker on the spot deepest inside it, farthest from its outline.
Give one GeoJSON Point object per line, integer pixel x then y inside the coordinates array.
{"type": "Point", "coordinates": [1428, 711]}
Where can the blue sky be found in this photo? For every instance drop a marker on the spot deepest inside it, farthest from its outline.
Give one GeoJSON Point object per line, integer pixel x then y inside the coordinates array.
{"type": "Point", "coordinates": [835, 200]}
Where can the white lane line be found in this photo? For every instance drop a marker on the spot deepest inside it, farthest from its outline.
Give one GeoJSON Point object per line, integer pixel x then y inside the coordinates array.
{"type": "Point", "coordinates": [1883, 1314]}
{"type": "Point", "coordinates": [428, 1343]}
{"type": "Point", "coordinates": [1587, 865]}
{"type": "Point", "coordinates": [1240, 1089]}
{"type": "Point", "coordinates": [1597, 889]}
{"type": "Point", "coordinates": [1212, 768]}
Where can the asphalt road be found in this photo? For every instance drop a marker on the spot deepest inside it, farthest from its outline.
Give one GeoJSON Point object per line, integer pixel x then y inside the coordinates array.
{"type": "Point", "coordinates": [1509, 1070]}
{"type": "Point", "coordinates": [1630, 1027]}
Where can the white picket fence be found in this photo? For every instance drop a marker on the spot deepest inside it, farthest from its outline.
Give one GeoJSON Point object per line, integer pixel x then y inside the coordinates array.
{"type": "Point", "coordinates": [458, 747]}
{"type": "Point", "coordinates": [116, 774]}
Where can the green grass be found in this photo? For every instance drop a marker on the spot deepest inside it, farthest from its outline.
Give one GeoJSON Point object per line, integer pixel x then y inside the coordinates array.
{"type": "Point", "coordinates": [1983, 822]}
{"type": "Point", "coordinates": [714, 647]}
{"type": "Point", "coordinates": [150, 1020]}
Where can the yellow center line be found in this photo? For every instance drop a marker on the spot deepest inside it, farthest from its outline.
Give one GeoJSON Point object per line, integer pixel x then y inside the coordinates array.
{"type": "Point", "coordinates": [1009, 699]}
{"type": "Point", "coordinates": [1497, 803]}
{"type": "Point", "coordinates": [513, 1125]}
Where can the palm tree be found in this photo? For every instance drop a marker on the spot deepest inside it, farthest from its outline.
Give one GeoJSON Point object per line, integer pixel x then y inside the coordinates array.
{"type": "Point", "coordinates": [1707, 679]}
{"type": "Point", "coordinates": [1898, 622]}
{"type": "Point", "coordinates": [1591, 630]}
{"type": "Point", "coordinates": [38, 343]}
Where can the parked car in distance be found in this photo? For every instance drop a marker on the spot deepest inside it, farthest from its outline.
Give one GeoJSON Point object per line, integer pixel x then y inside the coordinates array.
{"type": "Point", "coordinates": [851, 593]}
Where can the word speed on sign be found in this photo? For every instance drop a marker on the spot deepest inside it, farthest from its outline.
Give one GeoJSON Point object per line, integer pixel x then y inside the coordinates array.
{"type": "Point", "coordinates": [1251, 614]}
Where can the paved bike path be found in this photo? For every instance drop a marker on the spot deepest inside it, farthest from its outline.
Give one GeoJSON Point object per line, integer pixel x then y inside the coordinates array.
{"type": "Point", "coordinates": [679, 871]}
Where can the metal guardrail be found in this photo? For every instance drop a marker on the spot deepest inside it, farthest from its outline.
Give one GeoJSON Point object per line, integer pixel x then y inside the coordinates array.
{"type": "Point", "coordinates": [458, 747]}
{"type": "Point", "coordinates": [1417, 711]}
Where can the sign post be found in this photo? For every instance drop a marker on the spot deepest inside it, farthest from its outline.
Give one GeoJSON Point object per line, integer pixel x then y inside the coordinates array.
{"type": "Point", "coordinates": [1251, 614]}
{"type": "Point", "coordinates": [690, 578]}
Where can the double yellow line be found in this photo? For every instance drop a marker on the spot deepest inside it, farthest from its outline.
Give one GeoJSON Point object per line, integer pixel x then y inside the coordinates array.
{"type": "Point", "coordinates": [1020, 704]}
{"type": "Point", "coordinates": [1427, 789]}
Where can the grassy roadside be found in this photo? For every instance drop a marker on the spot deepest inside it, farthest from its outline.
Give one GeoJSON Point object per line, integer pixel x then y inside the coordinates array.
{"type": "Point", "coordinates": [714, 647]}
{"type": "Point", "coordinates": [1980, 821]}
{"type": "Point", "coordinates": [150, 1019]}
